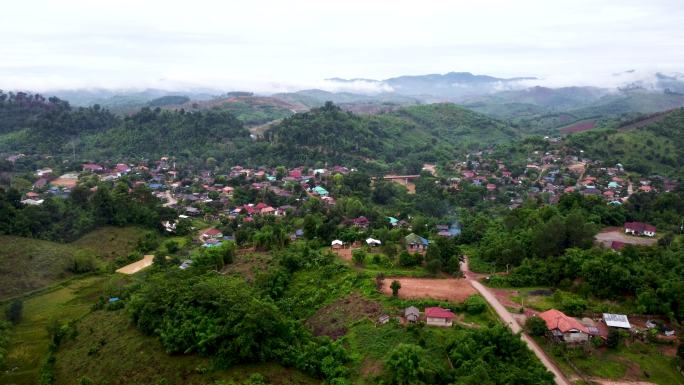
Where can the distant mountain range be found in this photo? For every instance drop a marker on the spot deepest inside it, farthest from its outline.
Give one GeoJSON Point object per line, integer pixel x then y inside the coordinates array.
{"type": "Point", "coordinates": [452, 85]}
{"type": "Point", "coordinates": [521, 100]}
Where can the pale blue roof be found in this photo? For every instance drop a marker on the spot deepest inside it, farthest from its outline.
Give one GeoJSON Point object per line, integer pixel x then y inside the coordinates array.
{"type": "Point", "coordinates": [320, 190]}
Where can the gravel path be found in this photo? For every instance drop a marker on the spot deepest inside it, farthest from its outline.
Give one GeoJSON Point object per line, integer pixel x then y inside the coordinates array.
{"type": "Point", "coordinates": [508, 319]}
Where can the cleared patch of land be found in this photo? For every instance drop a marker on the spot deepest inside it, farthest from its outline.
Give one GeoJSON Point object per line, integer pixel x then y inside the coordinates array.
{"type": "Point", "coordinates": [137, 265]}
{"type": "Point", "coordinates": [344, 253]}
{"type": "Point", "coordinates": [607, 236]}
{"type": "Point", "coordinates": [451, 289]}
{"type": "Point", "coordinates": [579, 127]}
{"type": "Point", "coordinates": [248, 264]}
{"type": "Point", "coordinates": [333, 320]}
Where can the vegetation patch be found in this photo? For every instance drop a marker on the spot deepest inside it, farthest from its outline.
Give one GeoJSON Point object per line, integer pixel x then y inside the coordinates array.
{"type": "Point", "coordinates": [333, 320]}
{"type": "Point", "coordinates": [27, 264]}
{"type": "Point", "coordinates": [108, 348]}
{"type": "Point", "coordinates": [30, 339]}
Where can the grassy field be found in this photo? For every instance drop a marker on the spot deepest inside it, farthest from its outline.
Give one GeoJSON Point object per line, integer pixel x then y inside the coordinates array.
{"type": "Point", "coordinates": [637, 361]}
{"type": "Point", "coordinates": [28, 264]}
{"type": "Point", "coordinates": [109, 348]}
{"type": "Point", "coordinates": [29, 339]}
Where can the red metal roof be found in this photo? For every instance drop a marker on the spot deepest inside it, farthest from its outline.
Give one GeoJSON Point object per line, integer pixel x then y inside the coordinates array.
{"type": "Point", "coordinates": [212, 232]}
{"type": "Point", "coordinates": [639, 227]}
{"type": "Point", "coordinates": [556, 319]}
{"type": "Point", "coordinates": [438, 312]}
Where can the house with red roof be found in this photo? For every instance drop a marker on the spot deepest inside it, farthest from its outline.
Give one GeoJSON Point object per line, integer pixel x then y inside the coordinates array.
{"type": "Point", "coordinates": [564, 327]}
{"type": "Point", "coordinates": [639, 228]}
{"type": "Point", "coordinates": [437, 316]}
{"type": "Point", "coordinates": [361, 222]}
{"type": "Point", "coordinates": [92, 167]}
{"type": "Point", "coordinates": [211, 234]}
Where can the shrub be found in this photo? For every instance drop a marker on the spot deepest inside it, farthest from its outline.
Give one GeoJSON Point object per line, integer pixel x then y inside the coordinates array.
{"type": "Point", "coordinates": [171, 246]}
{"type": "Point", "coordinates": [535, 326]}
{"type": "Point", "coordinates": [359, 256]}
{"type": "Point", "coordinates": [13, 312]}
{"type": "Point", "coordinates": [82, 262]}
{"type": "Point", "coordinates": [395, 286]}
{"type": "Point", "coordinates": [407, 260]}
{"type": "Point", "coordinates": [613, 340]}
{"type": "Point", "coordinates": [475, 304]}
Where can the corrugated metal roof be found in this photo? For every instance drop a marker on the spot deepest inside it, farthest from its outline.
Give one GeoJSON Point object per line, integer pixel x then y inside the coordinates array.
{"type": "Point", "coordinates": [616, 320]}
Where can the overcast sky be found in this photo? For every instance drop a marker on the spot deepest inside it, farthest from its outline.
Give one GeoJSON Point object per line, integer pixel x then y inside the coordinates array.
{"type": "Point", "coordinates": [271, 45]}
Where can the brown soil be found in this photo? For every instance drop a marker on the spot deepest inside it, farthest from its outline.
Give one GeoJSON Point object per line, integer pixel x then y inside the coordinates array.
{"type": "Point", "coordinates": [247, 265]}
{"type": "Point", "coordinates": [344, 253]}
{"type": "Point", "coordinates": [451, 289]}
{"type": "Point", "coordinates": [579, 127]}
{"type": "Point", "coordinates": [371, 367]}
{"type": "Point", "coordinates": [607, 236]}
{"type": "Point", "coordinates": [332, 320]}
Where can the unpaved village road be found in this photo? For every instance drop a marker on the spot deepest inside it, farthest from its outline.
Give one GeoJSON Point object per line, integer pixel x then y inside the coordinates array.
{"type": "Point", "coordinates": [508, 319]}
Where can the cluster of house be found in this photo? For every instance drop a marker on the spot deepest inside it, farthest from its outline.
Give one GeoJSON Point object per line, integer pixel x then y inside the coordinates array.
{"type": "Point", "coordinates": [572, 330]}
{"type": "Point", "coordinates": [554, 173]}
{"type": "Point", "coordinates": [434, 316]}
{"type": "Point", "coordinates": [213, 237]}
{"type": "Point", "coordinates": [47, 182]}
{"type": "Point", "coordinates": [190, 193]}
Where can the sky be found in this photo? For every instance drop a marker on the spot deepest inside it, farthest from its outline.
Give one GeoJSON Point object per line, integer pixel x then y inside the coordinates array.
{"type": "Point", "coordinates": [268, 46]}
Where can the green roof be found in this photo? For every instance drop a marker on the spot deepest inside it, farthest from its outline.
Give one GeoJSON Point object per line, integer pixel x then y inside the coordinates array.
{"type": "Point", "coordinates": [320, 190]}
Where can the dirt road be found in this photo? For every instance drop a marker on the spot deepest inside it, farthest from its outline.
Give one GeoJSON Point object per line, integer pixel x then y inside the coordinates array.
{"type": "Point", "coordinates": [508, 319]}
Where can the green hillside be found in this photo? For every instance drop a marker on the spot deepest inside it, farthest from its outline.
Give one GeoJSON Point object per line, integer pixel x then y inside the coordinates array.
{"type": "Point", "coordinates": [27, 264]}
{"type": "Point", "coordinates": [657, 148]}
{"type": "Point", "coordinates": [399, 140]}
{"type": "Point", "coordinates": [415, 134]}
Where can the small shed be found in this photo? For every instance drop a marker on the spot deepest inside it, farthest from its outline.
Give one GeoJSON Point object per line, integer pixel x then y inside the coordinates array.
{"type": "Point", "coordinates": [373, 242]}
{"type": "Point", "coordinates": [383, 319]}
{"type": "Point", "coordinates": [412, 314]}
{"type": "Point", "coordinates": [336, 244]}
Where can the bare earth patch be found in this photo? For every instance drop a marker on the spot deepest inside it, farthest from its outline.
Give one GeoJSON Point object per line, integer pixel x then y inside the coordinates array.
{"type": "Point", "coordinates": [137, 265]}
{"type": "Point", "coordinates": [607, 236]}
{"type": "Point", "coordinates": [344, 253]}
{"type": "Point", "coordinates": [332, 320]}
{"type": "Point", "coordinates": [248, 265]}
{"type": "Point", "coordinates": [451, 289]}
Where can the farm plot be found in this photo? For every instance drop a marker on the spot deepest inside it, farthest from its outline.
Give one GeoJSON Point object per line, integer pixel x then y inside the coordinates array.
{"type": "Point", "coordinates": [450, 289]}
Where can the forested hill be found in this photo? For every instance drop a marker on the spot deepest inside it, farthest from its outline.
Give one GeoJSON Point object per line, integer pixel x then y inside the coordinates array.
{"type": "Point", "coordinates": [397, 141]}
{"type": "Point", "coordinates": [404, 138]}
{"type": "Point", "coordinates": [32, 125]}
{"type": "Point", "coordinates": [657, 148]}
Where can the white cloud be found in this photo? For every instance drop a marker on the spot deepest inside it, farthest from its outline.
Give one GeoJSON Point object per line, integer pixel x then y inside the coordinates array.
{"type": "Point", "coordinates": [275, 45]}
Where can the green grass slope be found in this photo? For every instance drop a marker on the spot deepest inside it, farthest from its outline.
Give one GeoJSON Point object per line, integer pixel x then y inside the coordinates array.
{"type": "Point", "coordinates": [657, 148]}
{"type": "Point", "coordinates": [28, 264]}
